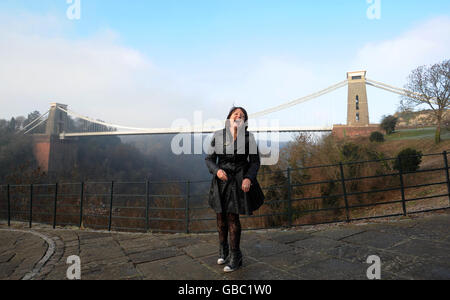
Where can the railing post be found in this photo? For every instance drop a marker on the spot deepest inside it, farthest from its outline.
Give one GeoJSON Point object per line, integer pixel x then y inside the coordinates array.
{"type": "Point", "coordinates": [402, 185]}
{"type": "Point", "coordinates": [147, 205]}
{"type": "Point", "coordinates": [111, 206]}
{"type": "Point", "coordinates": [188, 196]}
{"type": "Point", "coordinates": [9, 204]}
{"type": "Point", "coordinates": [31, 205]}
{"type": "Point", "coordinates": [447, 174]}
{"type": "Point", "coordinates": [81, 204]}
{"type": "Point", "coordinates": [55, 205]}
{"type": "Point", "coordinates": [344, 190]}
{"type": "Point", "coordinates": [289, 182]}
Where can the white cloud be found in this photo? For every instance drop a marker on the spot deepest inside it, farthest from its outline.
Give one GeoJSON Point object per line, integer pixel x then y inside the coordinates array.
{"type": "Point", "coordinates": [96, 76]}
{"type": "Point", "coordinates": [427, 43]}
{"type": "Point", "coordinates": [100, 77]}
{"type": "Point", "coordinates": [391, 61]}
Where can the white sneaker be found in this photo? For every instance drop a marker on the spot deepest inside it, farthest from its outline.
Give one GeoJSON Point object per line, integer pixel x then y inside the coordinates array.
{"type": "Point", "coordinates": [227, 269]}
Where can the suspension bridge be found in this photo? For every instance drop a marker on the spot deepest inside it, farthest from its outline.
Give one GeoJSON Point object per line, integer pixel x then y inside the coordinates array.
{"type": "Point", "coordinates": [56, 120]}
{"type": "Point", "coordinates": [55, 132]}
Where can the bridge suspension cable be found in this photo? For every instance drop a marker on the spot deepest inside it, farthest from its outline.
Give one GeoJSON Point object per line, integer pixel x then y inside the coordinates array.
{"type": "Point", "coordinates": [72, 113]}
{"type": "Point", "coordinates": [34, 121]}
{"type": "Point", "coordinates": [396, 90]}
{"type": "Point", "coordinates": [37, 125]}
{"type": "Point", "coordinates": [300, 100]}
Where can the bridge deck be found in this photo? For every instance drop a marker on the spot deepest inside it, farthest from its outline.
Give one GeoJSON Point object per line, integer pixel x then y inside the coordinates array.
{"type": "Point", "coordinates": [162, 131]}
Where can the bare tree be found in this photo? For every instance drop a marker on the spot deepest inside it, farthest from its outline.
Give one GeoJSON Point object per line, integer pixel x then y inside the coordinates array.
{"type": "Point", "coordinates": [430, 86]}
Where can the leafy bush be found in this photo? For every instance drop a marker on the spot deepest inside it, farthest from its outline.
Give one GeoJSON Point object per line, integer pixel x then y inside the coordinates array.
{"type": "Point", "coordinates": [409, 159]}
{"type": "Point", "coordinates": [377, 137]}
{"type": "Point", "coordinates": [388, 124]}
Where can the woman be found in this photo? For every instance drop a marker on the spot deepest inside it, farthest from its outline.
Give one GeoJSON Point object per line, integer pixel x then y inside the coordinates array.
{"type": "Point", "coordinates": [234, 189]}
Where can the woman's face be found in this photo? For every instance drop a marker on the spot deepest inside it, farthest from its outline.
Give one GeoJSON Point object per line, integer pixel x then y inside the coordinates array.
{"type": "Point", "coordinates": [237, 118]}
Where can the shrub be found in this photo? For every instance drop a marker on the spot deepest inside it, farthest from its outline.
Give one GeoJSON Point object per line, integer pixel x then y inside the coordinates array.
{"type": "Point", "coordinates": [350, 152]}
{"type": "Point", "coordinates": [377, 137]}
{"type": "Point", "coordinates": [410, 160]}
{"type": "Point", "coordinates": [388, 124]}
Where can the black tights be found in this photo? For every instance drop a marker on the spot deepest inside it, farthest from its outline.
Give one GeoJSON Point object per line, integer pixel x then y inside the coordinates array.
{"type": "Point", "coordinates": [229, 223]}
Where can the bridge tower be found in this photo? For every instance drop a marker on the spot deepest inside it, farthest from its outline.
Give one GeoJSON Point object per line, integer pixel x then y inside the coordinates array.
{"type": "Point", "coordinates": [358, 122]}
{"type": "Point", "coordinates": [53, 154]}
{"type": "Point", "coordinates": [57, 119]}
{"type": "Point", "coordinates": [358, 108]}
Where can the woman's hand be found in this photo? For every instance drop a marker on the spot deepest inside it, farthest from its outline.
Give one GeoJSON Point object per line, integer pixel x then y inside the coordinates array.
{"type": "Point", "coordinates": [246, 184]}
{"type": "Point", "coordinates": [222, 175]}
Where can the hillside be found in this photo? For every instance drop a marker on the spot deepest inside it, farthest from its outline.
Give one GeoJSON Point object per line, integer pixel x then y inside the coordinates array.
{"type": "Point", "coordinates": [424, 118]}
{"type": "Point", "coordinates": [421, 139]}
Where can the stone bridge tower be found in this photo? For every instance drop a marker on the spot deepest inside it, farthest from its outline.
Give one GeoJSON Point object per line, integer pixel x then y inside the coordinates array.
{"type": "Point", "coordinates": [54, 155]}
{"type": "Point", "coordinates": [358, 122]}
{"type": "Point", "coordinates": [57, 120]}
{"type": "Point", "coordinates": [358, 108]}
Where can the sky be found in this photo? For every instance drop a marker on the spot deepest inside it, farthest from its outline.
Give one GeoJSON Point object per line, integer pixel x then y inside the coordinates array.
{"type": "Point", "coordinates": [148, 63]}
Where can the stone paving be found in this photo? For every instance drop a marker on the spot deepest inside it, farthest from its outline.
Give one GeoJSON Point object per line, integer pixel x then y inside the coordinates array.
{"type": "Point", "coordinates": [409, 248]}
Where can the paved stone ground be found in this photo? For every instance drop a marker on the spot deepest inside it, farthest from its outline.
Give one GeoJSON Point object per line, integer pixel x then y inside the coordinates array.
{"type": "Point", "coordinates": [409, 248]}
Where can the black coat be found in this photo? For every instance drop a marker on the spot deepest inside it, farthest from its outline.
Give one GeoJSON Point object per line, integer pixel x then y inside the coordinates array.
{"type": "Point", "coordinates": [238, 164]}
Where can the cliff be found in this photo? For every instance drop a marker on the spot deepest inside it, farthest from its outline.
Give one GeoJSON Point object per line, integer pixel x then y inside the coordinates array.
{"type": "Point", "coordinates": [424, 118]}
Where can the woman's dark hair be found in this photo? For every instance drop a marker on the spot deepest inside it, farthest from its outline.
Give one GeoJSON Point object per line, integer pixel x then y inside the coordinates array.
{"type": "Point", "coordinates": [234, 108]}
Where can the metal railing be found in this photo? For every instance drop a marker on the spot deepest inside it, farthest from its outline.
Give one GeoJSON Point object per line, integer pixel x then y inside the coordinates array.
{"type": "Point", "coordinates": [142, 206]}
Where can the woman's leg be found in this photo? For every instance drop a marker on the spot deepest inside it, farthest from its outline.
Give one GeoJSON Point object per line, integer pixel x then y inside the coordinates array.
{"type": "Point", "coordinates": [234, 228]}
{"type": "Point", "coordinates": [222, 227]}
